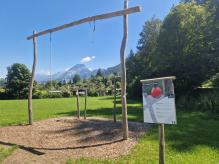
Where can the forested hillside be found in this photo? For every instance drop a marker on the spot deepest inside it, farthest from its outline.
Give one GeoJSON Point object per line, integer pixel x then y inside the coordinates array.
{"type": "Point", "coordinates": [185, 44]}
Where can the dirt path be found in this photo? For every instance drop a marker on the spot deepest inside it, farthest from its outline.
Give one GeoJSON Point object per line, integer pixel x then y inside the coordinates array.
{"type": "Point", "coordinates": [56, 140]}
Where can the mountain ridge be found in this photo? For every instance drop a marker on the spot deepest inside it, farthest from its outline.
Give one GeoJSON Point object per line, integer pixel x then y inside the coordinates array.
{"type": "Point", "coordinates": [80, 69]}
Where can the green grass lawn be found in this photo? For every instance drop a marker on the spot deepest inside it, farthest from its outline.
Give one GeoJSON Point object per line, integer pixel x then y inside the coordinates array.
{"type": "Point", "coordinates": [15, 111]}
{"type": "Point", "coordinates": [195, 139]}
{"type": "Point", "coordinates": [5, 152]}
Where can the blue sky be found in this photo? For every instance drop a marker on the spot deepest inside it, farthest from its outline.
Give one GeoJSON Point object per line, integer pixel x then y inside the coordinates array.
{"type": "Point", "coordinates": [99, 49]}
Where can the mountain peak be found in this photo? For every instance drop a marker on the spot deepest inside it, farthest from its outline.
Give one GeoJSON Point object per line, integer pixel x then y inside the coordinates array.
{"type": "Point", "coordinates": [80, 69]}
{"type": "Point", "coordinates": [77, 67]}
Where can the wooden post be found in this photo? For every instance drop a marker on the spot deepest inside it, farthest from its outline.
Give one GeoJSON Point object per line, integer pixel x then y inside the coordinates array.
{"type": "Point", "coordinates": [123, 75]}
{"type": "Point", "coordinates": [85, 104]}
{"type": "Point", "coordinates": [161, 144]}
{"type": "Point", "coordinates": [114, 107]}
{"type": "Point", "coordinates": [30, 93]}
{"type": "Point", "coordinates": [78, 107]}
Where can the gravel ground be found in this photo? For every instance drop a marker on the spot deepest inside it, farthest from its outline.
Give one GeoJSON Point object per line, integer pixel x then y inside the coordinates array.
{"type": "Point", "coordinates": [56, 140]}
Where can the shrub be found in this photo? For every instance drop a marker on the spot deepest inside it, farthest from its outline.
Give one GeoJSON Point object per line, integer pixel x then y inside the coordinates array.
{"type": "Point", "coordinates": [66, 94]}
{"type": "Point", "coordinates": [3, 95]}
{"type": "Point", "coordinates": [55, 95]}
{"type": "Point", "coordinates": [92, 92]}
{"type": "Point", "coordinates": [205, 101]}
{"type": "Point", "coordinates": [215, 80]}
{"type": "Point", "coordinates": [37, 94]}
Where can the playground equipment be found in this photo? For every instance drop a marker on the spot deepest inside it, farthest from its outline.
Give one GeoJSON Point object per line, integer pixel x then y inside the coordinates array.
{"type": "Point", "coordinates": [78, 92]}
{"type": "Point", "coordinates": [125, 12]}
{"type": "Point", "coordinates": [51, 91]}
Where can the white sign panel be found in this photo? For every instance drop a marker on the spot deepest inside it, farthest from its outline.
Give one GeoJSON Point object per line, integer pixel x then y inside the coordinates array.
{"type": "Point", "coordinates": [159, 101]}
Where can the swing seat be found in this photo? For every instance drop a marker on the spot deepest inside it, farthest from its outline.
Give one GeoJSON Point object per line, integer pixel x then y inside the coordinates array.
{"type": "Point", "coordinates": [55, 91]}
{"type": "Point", "coordinates": [81, 93]}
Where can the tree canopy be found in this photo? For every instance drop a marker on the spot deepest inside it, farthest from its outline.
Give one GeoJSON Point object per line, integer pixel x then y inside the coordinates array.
{"type": "Point", "coordinates": [99, 73]}
{"type": "Point", "coordinates": [17, 81]}
{"type": "Point", "coordinates": [76, 78]}
{"type": "Point", "coordinates": [139, 65]}
{"type": "Point", "coordinates": [2, 82]}
{"type": "Point", "coordinates": [185, 45]}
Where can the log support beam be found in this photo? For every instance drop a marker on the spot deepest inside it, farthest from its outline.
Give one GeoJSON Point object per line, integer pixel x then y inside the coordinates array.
{"type": "Point", "coordinates": [123, 74]}
{"type": "Point", "coordinates": [30, 94]}
{"type": "Point", "coordinates": [88, 19]}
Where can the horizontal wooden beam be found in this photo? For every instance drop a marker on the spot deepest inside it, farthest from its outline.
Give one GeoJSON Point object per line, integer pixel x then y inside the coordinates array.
{"type": "Point", "coordinates": [88, 19]}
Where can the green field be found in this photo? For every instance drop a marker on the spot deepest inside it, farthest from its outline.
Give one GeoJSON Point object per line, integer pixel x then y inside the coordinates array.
{"type": "Point", "coordinates": [5, 152]}
{"type": "Point", "coordinates": [15, 111]}
{"type": "Point", "coordinates": [195, 139]}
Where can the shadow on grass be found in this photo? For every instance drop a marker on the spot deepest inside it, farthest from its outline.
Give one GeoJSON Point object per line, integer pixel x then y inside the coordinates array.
{"type": "Point", "coordinates": [193, 129]}
{"type": "Point", "coordinates": [134, 113]}
{"type": "Point", "coordinates": [26, 148]}
{"type": "Point", "coordinates": [34, 150]}
{"type": "Point", "coordinates": [118, 98]}
{"type": "Point", "coordinates": [106, 98]}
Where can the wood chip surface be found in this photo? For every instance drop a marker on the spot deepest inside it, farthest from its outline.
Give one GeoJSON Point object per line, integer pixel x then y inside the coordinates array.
{"type": "Point", "coordinates": [56, 140]}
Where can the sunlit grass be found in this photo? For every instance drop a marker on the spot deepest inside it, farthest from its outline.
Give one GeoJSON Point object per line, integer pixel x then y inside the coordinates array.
{"type": "Point", "coordinates": [15, 111]}
{"type": "Point", "coordinates": [5, 152]}
{"type": "Point", "coordinates": [195, 138]}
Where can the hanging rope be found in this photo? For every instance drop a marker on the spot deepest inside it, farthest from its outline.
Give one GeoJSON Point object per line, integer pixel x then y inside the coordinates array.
{"type": "Point", "coordinates": [50, 59]}
{"type": "Point", "coordinates": [52, 89]}
{"type": "Point", "coordinates": [93, 31]}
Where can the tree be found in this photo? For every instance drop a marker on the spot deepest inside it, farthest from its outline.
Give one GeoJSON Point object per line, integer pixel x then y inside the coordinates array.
{"type": "Point", "coordinates": [17, 81]}
{"type": "Point", "coordinates": [149, 35]}
{"type": "Point", "coordinates": [139, 64]}
{"type": "Point", "coordinates": [99, 73]}
{"type": "Point", "coordinates": [59, 83]}
{"type": "Point", "coordinates": [186, 45]}
{"type": "Point", "coordinates": [193, 1]}
{"type": "Point", "coordinates": [51, 85]}
{"type": "Point", "coordinates": [184, 48]}
{"type": "Point", "coordinates": [2, 82]}
{"type": "Point", "coordinates": [76, 78]}
{"type": "Point", "coordinates": [215, 80]}
{"type": "Point", "coordinates": [213, 32]}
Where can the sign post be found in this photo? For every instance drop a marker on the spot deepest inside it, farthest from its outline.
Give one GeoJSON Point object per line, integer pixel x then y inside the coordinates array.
{"type": "Point", "coordinates": [159, 106]}
{"type": "Point", "coordinates": [161, 144]}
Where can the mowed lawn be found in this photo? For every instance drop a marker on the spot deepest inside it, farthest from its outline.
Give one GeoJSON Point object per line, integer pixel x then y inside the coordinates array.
{"type": "Point", "coordinates": [15, 111]}
{"type": "Point", "coordinates": [195, 138]}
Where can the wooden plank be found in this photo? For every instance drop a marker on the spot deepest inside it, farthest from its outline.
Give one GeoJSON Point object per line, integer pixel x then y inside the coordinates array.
{"type": "Point", "coordinates": [161, 78]}
{"type": "Point", "coordinates": [88, 19]}
{"type": "Point", "coordinates": [123, 74]}
{"type": "Point", "coordinates": [161, 144]}
{"type": "Point", "coordinates": [30, 93]}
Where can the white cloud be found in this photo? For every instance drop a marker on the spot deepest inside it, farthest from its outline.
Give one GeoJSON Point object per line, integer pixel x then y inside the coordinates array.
{"type": "Point", "coordinates": [87, 59]}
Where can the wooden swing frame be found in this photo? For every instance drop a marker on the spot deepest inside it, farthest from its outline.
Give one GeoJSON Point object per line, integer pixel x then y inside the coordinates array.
{"type": "Point", "coordinates": [125, 12]}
